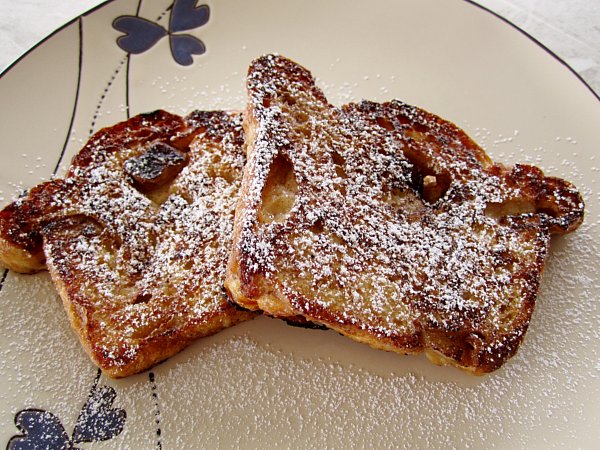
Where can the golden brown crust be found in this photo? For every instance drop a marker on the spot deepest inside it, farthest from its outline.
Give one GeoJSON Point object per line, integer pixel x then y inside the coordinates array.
{"type": "Point", "coordinates": [136, 237]}
{"type": "Point", "coordinates": [388, 224]}
{"type": "Point", "coordinates": [20, 228]}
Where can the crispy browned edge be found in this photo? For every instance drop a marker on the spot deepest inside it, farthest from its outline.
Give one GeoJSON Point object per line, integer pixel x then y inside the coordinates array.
{"type": "Point", "coordinates": [253, 291]}
{"type": "Point", "coordinates": [154, 350]}
{"type": "Point", "coordinates": [21, 240]}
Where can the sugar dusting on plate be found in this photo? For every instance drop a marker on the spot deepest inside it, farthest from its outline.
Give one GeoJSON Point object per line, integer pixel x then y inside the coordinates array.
{"type": "Point", "coordinates": [235, 389]}
{"type": "Point", "coordinates": [240, 391]}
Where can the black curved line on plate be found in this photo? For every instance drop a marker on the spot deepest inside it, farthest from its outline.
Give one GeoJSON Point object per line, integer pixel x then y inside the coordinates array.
{"type": "Point", "coordinates": [471, 2]}
{"type": "Point", "coordinates": [127, 111]}
{"type": "Point", "coordinates": [151, 378]}
{"type": "Point", "coordinates": [103, 96]}
{"type": "Point", "coordinates": [124, 62]}
{"type": "Point", "coordinates": [536, 41]}
{"type": "Point", "coordinates": [95, 384]}
{"type": "Point", "coordinates": [58, 30]}
{"type": "Point", "coordinates": [127, 96]}
{"type": "Point", "coordinates": [4, 275]}
{"type": "Point", "coordinates": [74, 110]}
{"type": "Point", "coordinates": [156, 410]}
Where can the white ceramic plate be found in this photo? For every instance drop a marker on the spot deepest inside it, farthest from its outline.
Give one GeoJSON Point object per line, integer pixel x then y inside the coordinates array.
{"type": "Point", "coordinates": [264, 384]}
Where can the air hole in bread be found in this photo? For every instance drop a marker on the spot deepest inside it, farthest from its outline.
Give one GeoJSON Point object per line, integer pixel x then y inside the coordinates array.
{"type": "Point", "coordinates": [512, 207]}
{"type": "Point", "coordinates": [384, 122]}
{"type": "Point", "coordinates": [420, 127]}
{"type": "Point", "coordinates": [279, 193]}
{"type": "Point", "coordinates": [402, 119]}
{"type": "Point", "coordinates": [142, 298]}
{"type": "Point", "coordinates": [339, 163]}
{"type": "Point", "coordinates": [434, 188]}
{"type": "Point", "coordinates": [317, 227]}
{"type": "Point", "coordinates": [548, 209]}
{"type": "Point", "coordinates": [424, 180]}
{"type": "Point", "coordinates": [472, 346]}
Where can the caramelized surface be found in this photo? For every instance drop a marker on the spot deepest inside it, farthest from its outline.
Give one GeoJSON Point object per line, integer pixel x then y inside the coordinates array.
{"type": "Point", "coordinates": [388, 224]}
{"type": "Point", "coordinates": [136, 237]}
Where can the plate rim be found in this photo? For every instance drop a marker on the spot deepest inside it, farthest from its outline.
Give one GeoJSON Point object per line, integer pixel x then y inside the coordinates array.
{"type": "Point", "coordinates": [105, 3]}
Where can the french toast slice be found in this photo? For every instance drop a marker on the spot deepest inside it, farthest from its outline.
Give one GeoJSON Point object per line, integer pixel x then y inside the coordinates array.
{"type": "Point", "coordinates": [137, 235]}
{"type": "Point", "coordinates": [388, 224]}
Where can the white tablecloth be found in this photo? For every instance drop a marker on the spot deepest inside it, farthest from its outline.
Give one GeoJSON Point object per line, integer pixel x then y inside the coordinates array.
{"type": "Point", "coordinates": [571, 29]}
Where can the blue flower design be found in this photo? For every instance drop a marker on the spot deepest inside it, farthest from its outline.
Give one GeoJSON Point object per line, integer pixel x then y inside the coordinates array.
{"type": "Point", "coordinates": [142, 34]}
{"type": "Point", "coordinates": [97, 421]}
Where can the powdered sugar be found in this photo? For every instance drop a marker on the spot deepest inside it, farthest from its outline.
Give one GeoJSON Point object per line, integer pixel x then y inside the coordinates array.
{"type": "Point", "coordinates": [263, 384]}
{"type": "Point", "coordinates": [400, 225]}
{"type": "Point", "coordinates": [141, 260]}
{"type": "Point", "coordinates": [279, 386]}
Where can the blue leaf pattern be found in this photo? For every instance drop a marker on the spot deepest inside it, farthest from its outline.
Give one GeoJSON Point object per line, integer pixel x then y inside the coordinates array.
{"type": "Point", "coordinates": [184, 46]}
{"type": "Point", "coordinates": [98, 420]}
{"type": "Point", "coordinates": [42, 430]}
{"type": "Point", "coordinates": [140, 34]}
{"type": "Point", "coordinates": [187, 16]}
